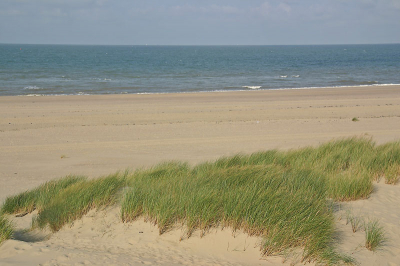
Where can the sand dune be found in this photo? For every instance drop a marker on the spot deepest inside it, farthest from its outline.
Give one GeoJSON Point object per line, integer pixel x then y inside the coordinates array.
{"type": "Point", "coordinates": [47, 137]}
{"type": "Point", "coordinates": [382, 206]}
{"type": "Point", "coordinates": [100, 238]}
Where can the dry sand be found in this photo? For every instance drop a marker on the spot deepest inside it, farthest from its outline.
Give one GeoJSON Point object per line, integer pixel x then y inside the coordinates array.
{"type": "Point", "coordinates": [42, 138]}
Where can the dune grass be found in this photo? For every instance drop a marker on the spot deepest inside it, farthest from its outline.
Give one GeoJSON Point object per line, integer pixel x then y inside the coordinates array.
{"type": "Point", "coordinates": [287, 208]}
{"type": "Point", "coordinates": [64, 200]}
{"type": "Point", "coordinates": [356, 222]}
{"type": "Point", "coordinates": [374, 235]}
{"type": "Point", "coordinates": [283, 197]}
{"type": "Point", "coordinates": [6, 229]}
{"type": "Point", "coordinates": [39, 197]}
{"type": "Point", "coordinates": [77, 199]}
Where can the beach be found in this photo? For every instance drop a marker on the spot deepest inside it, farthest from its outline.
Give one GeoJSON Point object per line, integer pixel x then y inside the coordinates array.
{"type": "Point", "coordinates": [48, 137]}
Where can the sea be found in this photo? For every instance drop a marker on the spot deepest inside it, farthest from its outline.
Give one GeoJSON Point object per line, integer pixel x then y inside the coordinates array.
{"type": "Point", "coordinates": [40, 70]}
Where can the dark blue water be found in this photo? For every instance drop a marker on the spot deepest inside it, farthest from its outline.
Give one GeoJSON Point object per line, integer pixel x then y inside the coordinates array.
{"type": "Point", "coordinates": [73, 69]}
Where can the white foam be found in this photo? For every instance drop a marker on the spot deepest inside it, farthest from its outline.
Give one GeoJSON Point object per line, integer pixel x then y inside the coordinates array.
{"type": "Point", "coordinates": [344, 86]}
{"type": "Point", "coordinates": [252, 87]}
{"type": "Point", "coordinates": [101, 79]}
{"type": "Point", "coordinates": [32, 88]}
{"type": "Point", "coordinates": [283, 76]}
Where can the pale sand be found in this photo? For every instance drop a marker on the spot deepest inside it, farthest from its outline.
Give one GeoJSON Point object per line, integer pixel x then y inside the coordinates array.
{"type": "Point", "coordinates": [42, 138]}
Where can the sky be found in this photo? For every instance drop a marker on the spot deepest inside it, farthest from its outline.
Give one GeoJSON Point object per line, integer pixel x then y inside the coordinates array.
{"type": "Point", "coordinates": [199, 22]}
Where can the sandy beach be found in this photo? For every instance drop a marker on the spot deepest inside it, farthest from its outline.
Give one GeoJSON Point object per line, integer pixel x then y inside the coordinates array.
{"type": "Point", "coordinates": [42, 138]}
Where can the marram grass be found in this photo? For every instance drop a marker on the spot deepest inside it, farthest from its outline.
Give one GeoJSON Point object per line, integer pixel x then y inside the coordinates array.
{"type": "Point", "coordinates": [77, 199]}
{"type": "Point", "coordinates": [356, 222]}
{"type": "Point", "coordinates": [6, 229]}
{"type": "Point", "coordinates": [374, 235]}
{"type": "Point", "coordinates": [39, 197]}
{"type": "Point", "coordinates": [283, 197]}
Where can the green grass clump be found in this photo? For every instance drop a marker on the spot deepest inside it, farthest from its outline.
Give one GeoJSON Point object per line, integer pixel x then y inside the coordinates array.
{"type": "Point", "coordinates": [374, 235]}
{"type": "Point", "coordinates": [77, 199]}
{"type": "Point", "coordinates": [350, 165]}
{"type": "Point", "coordinates": [37, 198]}
{"type": "Point", "coordinates": [287, 207]}
{"type": "Point", "coordinates": [386, 163]}
{"type": "Point", "coordinates": [355, 119]}
{"type": "Point", "coordinates": [345, 186]}
{"type": "Point", "coordinates": [6, 229]}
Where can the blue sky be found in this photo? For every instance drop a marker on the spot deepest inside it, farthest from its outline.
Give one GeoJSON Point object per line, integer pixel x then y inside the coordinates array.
{"type": "Point", "coordinates": [201, 22]}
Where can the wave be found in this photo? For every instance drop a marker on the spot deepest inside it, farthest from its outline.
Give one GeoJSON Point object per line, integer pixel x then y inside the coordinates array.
{"type": "Point", "coordinates": [252, 87]}
{"type": "Point", "coordinates": [101, 79]}
{"type": "Point", "coordinates": [32, 88]}
{"type": "Point", "coordinates": [285, 76]}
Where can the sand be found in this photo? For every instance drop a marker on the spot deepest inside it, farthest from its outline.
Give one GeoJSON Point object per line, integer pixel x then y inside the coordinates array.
{"type": "Point", "coordinates": [42, 138]}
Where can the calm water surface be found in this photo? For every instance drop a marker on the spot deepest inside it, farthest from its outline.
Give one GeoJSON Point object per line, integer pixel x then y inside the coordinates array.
{"type": "Point", "coordinates": [74, 69]}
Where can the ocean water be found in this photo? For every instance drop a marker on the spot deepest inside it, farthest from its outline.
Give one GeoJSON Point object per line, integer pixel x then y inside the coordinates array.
{"type": "Point", "coordinates": [75, 69]}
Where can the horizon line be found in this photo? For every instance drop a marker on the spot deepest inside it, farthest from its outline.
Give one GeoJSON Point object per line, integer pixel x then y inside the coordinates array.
{"type": "Point", "coordinates": [315, 44]}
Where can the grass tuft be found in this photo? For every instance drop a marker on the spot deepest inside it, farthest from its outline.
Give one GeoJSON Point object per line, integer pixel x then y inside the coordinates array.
{"type": "Point", "coordinates": [355, 119]}
{"type": "Point", "coordinates": [39, 197]}
{"type": "Point", "coordinates": [374, 235]}
{"type": "Point", "coordinates": [6, 229]}
{"type": "Point", "coordinates": [77, 199]}
{"type": "Point", "coordinates": [356, 222]}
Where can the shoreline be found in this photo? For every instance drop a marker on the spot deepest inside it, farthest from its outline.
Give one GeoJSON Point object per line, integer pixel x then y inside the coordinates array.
{"type": "Point", "coordinates": [214, 91]}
